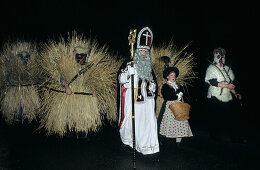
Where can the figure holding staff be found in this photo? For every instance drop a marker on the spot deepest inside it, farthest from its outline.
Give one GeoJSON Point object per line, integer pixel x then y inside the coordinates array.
{"type": "Point", "coordinates": [146, 137]}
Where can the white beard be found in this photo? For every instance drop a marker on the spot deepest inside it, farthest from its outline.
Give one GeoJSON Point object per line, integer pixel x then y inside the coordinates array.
{"type": "Point", "coordinates": [143, 66]}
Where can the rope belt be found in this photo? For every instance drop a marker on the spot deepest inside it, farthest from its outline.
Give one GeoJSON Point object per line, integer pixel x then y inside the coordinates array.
{"type": "Point", "coordinates": [49, 88]}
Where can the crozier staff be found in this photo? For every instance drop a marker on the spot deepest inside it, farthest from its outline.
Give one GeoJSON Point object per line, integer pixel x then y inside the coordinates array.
{"type": "Point", "coordinates": [144, 98]}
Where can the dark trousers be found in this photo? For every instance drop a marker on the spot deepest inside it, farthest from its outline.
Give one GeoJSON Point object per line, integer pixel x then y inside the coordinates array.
{"type": "Point", "coordinates": [224, 118]}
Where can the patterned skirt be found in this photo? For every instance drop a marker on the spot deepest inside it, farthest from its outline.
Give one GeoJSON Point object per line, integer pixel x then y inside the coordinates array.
{"type": "Point", "coordinates": [172, 128]}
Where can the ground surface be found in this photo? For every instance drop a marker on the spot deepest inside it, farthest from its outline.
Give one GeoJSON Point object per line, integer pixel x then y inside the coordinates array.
{"type": "Point", "coordinates": [22, 148]}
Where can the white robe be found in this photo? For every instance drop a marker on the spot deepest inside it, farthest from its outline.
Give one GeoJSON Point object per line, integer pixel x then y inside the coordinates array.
{"type": "Point", "coordinates": [145, 119]}
{"type": "Point", "coordinates": [218, 73]}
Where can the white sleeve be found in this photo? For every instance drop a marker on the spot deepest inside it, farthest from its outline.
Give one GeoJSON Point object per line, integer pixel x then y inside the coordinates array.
{"type": "Point", "coordinates": [124, 78]}
{"type": "Point", "coordinates": [210, 74]}
{"type": "Point", "coordinates": [231, 74]}
{"type": "Point", "coordinates": [152, 87]}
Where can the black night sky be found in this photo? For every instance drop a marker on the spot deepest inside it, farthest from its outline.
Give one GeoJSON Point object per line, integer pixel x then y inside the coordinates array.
{"type": "Point", "coordinates": [204, 25]}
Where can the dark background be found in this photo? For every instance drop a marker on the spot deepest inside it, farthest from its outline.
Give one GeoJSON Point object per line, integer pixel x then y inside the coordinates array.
{"type": "Point", "coordinates": [204, 25]}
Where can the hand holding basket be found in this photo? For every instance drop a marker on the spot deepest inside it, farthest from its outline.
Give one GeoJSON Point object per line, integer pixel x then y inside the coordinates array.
{"type": "Point", "coordinates": [180, 110]}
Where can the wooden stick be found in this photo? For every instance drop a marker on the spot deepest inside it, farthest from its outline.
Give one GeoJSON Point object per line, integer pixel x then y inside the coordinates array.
{"type": "Point", "coordinates": [131, 38]}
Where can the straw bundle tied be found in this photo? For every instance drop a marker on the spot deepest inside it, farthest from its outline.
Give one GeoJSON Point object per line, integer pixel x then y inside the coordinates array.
{"type": "Point", "coordinates": [180, 59]}
{"type": "Point", "coordinates": [79, 113]}
{"type": "Point", "coordinates": [20, 97]}
{"type": "Point", "coordinates": [102, 78]}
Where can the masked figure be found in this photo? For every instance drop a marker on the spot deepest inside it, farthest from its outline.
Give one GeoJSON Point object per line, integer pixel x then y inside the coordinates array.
{"type": "Point", "coordinates": [21, 100]}
{"type": "Point", "coordinates": [81, 88]}
{"type": "Point", "coordinates": [221, 92]}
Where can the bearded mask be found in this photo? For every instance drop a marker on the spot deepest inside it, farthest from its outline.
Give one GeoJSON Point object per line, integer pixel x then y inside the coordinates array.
{"type": "Point", "coordinates": [219, 56]}
{"type": "Point", "coordinates": [25, 57]}
{"type": "Point", "coordinates": [143, 65]}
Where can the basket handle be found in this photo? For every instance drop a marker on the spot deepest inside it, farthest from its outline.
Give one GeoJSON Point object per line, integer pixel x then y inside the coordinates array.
{"type": "Point", "coordinates": [182, 99]}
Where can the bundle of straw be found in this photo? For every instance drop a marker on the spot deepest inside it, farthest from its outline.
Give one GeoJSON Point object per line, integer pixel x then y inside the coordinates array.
{"type": "Point", "coordinates": [15, 99]}
{"type": "Point", "coordinates": [102, 78]}
{"type": "Point", "coordinates": [180, 59]}
{"type": "Point", "coordinates": [1, 75]}
{"type": "Point", "coordinates": [76, 112]}
{"type": "Point", "coordinates": [20, 98]}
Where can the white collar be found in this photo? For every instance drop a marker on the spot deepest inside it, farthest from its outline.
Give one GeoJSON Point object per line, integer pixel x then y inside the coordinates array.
{"type": "Point", "coordinates": [173, 84]}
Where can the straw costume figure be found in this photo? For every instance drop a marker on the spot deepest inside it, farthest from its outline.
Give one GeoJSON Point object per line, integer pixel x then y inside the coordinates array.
{"type": "Point", "coordinates": [2, 78]}
{"type": "Point", "coordinates": [21, 100]}
{"type": "Point", "coordinates": [81, 90]}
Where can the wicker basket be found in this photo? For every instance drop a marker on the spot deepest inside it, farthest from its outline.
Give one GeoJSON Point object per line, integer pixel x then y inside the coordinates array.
{"type": "Point", "coordinates": [180, 110]}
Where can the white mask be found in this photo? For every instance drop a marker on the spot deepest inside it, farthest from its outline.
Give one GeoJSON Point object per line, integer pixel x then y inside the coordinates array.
{"type": "Point", "coordinates": [219, 56]}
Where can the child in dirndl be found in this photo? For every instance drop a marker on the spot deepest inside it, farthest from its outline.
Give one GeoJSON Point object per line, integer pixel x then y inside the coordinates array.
{"type": "Point", "coordinates": [169, 127]}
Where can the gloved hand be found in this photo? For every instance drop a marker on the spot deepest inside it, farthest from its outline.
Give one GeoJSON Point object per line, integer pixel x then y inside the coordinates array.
{"type": "Point", "coordinates": [152, 87]}
{"type": "Point", "coordinates": [130, 70]}
{"type": "Point", "coordinates": [179, 95]}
